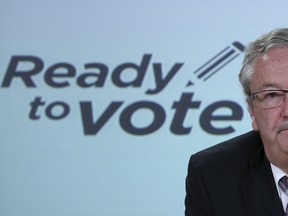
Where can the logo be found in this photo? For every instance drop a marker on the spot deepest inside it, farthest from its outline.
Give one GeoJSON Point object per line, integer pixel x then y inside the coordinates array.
{"type": "Point", "coordinates": [24, 69]}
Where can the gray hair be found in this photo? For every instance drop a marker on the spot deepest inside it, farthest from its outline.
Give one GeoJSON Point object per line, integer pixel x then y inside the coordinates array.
{"type": "Point", "coordinates": [274, 39]}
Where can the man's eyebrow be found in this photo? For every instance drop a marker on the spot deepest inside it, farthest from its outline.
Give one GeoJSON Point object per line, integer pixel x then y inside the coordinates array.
{"type": "Point", "coordinates": [270, 85]}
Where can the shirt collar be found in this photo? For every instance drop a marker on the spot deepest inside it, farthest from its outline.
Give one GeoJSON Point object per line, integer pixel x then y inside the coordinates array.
{"type": "Point", "coordinates": [277, 174]}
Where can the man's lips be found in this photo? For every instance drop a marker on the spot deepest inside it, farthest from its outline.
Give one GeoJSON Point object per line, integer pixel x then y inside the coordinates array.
{"type": "Point", "coordinates": [283, 127]}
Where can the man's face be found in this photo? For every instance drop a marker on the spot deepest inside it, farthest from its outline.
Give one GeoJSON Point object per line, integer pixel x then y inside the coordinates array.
{"type": "Point", "coordinates": [271, 72]}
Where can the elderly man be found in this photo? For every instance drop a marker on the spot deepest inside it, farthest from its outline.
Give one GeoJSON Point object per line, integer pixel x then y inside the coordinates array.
{"type": "Point", "coordinates": [247, 175]}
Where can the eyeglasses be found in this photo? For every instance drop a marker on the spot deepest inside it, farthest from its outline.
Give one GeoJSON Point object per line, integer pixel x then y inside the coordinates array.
{"type": "Point", "coordinates": [270, 99]}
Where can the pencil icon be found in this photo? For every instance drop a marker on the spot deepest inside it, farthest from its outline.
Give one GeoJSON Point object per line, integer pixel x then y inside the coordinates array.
{"type": "Point", "coordinates": [220, 60]}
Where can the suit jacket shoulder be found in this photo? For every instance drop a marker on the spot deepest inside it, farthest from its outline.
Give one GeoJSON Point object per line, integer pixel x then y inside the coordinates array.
{"type": "Point", "coordinates": [231, 153]}
{"type": "Point", "coordinates": [232, 175]}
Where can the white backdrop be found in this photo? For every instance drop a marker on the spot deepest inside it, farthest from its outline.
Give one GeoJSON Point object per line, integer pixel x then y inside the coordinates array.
{"type": "Point", "coordinates": [102, 102]}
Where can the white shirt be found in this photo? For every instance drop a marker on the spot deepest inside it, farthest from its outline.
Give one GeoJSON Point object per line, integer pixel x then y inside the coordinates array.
{"type": "Point", "coordinates": [282, 191]}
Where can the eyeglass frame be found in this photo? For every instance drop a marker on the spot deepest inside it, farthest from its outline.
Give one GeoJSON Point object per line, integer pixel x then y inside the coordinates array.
{"type": "Point", "coordinates": [253, 96]}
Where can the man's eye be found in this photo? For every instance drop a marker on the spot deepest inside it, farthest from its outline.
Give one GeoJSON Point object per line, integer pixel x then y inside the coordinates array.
{"type": "Point", "coordinates": [273, 94]}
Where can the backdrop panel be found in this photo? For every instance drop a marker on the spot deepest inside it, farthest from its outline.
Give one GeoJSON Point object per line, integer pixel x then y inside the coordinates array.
{"type": "Point", "coordinates": [103, 102]}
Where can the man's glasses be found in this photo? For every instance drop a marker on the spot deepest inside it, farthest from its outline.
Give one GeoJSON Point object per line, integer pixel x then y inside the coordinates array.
{"type": "Point", "coordinates": [270, 99]}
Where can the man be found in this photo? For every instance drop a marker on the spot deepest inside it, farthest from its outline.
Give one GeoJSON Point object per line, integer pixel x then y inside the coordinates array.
{"type": "Point", "coordinates": [245, 175]}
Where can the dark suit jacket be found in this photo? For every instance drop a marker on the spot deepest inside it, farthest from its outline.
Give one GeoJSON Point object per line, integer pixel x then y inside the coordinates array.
{"type": "Point", "coordinates": [233, 178]}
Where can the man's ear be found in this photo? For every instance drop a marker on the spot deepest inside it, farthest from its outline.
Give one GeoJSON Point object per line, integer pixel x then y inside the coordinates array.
{"type": "Point", "coordinates": [251, 112]}
{"type": "Point", "coordinates": [254, 124]}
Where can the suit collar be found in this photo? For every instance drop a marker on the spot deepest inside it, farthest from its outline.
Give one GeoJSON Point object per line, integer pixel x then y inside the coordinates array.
{"type": "Point", "coordinates": [259, 189]}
